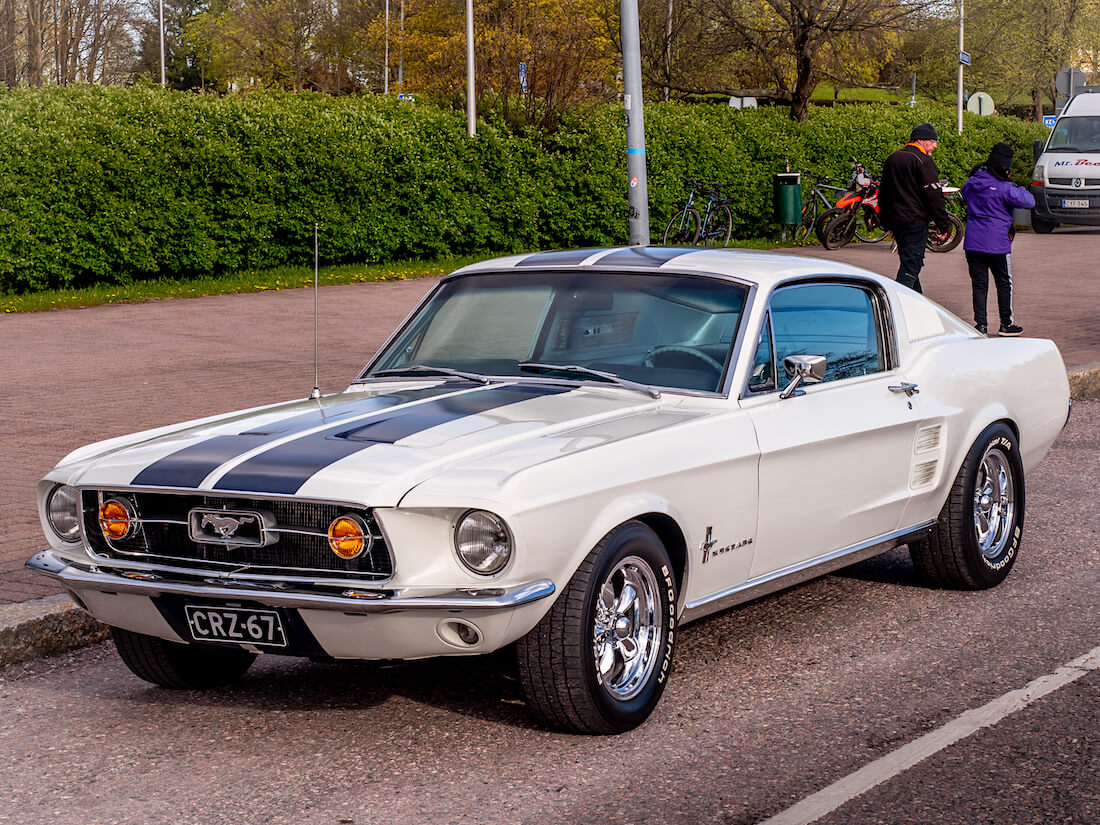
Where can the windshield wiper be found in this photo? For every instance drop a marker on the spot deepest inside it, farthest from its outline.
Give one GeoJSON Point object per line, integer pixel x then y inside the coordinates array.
{"type": "Point", "coordinates": [610, 377]}
{"type": "Point", "coordinates": [424, 369]}
{"type": "Point", "coordinates": [1065, 149]}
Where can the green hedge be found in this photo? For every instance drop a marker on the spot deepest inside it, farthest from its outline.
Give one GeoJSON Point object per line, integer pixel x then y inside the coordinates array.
{"type": "Point", "coordinates": [115, 185]}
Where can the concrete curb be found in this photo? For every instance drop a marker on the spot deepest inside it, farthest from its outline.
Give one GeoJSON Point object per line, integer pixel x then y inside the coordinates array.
{"type": "Point", "coordinates": [46, 627]}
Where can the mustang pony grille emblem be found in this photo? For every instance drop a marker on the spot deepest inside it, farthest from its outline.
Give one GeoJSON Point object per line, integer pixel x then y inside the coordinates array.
{"type": "Point", "coordinates": [230, 527]}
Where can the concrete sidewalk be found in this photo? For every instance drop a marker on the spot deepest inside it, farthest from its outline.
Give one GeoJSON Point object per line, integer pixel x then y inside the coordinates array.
{"type": "Point", "coordinates": [76, 376]}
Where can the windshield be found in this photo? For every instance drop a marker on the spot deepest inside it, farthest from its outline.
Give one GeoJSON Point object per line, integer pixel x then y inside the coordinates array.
{"type": "Point", "coordinates": [668, 331]}
{"type": "Point", "coordinates": [1075, 134]}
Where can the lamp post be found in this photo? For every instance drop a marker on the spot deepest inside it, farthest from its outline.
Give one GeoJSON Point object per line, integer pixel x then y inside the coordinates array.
{"type": "Point", "coordinates": [471, 110]}
{"type": "Point", "coordinates": [637, 190]}
{"type": "Point", "coordinates": [386, 68]}
{"type": "Point", "coordinates": [163, 81]}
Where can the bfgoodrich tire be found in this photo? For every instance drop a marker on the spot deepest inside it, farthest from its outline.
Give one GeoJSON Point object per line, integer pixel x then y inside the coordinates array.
{"type": "Point", "coordinates": [599, 660]}
{"type": "Point", "coordinates": [179, 666]}
{"type": "Point", "coordinates": [976, 541]}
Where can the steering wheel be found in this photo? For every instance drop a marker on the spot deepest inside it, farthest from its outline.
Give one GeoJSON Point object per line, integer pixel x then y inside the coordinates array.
{"type": "Point", "coordinates": [676, 350]}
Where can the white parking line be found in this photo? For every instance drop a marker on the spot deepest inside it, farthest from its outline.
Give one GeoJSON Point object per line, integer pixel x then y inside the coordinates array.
{"type": "Point", "coordinates": [829, 799]}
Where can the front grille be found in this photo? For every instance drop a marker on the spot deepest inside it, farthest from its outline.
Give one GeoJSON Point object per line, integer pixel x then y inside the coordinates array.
{"type": "Point", "coordinates": [1069, 181]}
{"type": "Point", "coordinates": [1055, 208]}
{"type": "Point", "coordinates": [163, 536]}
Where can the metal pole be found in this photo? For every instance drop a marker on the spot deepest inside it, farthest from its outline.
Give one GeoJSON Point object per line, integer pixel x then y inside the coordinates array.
{"type": "Point", "coordinates": [471, 106]}
{"type": "Point", "coordinates": [401, 54]}
{"type": "Point", "coordinates": [386, 75]}
{"type": "Point", "coordinates": [962, 4]}
{"type": "Point", "coordinates": [163, 82]}
{"type": "Point", "coordinates": [637, 190]}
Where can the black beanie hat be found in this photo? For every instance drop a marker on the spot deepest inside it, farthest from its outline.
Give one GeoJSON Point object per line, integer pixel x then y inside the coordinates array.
{"type": "Point", "coordinates": [1000, 156]}
{"type": "Point", "coordinates": [924, 131]}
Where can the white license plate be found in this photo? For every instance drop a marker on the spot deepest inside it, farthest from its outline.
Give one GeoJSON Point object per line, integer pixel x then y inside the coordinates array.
{"type": "Point", "coordinates": [236, 625]}
{"type": "Point", "coordinates": [1075, 203]}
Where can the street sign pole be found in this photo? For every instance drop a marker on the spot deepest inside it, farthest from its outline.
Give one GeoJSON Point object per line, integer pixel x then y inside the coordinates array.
{"type": "Point", "coordinates": [637, 191]}
{"type": "Point", "coordinates": [962, 4]}
{"type": "Point", "coordinates": [471, 105]}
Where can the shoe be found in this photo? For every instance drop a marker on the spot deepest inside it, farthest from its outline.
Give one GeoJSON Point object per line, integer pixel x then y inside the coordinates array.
{"type": "Point", "coordinates": [982, 328]}
{"type": "Point", "coordinates": [1010, 329]}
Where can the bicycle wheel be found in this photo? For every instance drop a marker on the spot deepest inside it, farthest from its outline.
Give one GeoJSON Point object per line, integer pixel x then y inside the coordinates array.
{"type": "Point", "coordinates": [954, 236]}
{"type": "Point", "coordinates": [809, 216]}
{"type": "Point", "coordinates": [683, 229]}
{"type": "Point", "coordinates": [868, 229]}
{"type": "Point", "coordinates": [718, 228]}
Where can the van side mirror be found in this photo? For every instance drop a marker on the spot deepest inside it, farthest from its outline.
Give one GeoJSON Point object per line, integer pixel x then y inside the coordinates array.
{"type": "Point", "coordinates": [1037, 149]}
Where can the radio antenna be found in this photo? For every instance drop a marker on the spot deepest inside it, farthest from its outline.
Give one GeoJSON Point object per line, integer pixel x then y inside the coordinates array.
{"type": "Point", "coordinates": [316, 394]}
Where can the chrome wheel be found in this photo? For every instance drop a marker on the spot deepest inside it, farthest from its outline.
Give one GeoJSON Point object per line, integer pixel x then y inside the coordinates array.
{"type": "Point", "coordinates": [994, 504]}
{"type": "Point", "coordinates": [628, 628]}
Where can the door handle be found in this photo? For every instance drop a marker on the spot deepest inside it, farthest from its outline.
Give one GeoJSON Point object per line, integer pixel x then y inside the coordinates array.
{"type": "Point", "coordinates": [909, 389]}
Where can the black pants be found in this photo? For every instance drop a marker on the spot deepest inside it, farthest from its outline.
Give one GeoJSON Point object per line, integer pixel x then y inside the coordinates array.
{"type": "Point", "coordinates": [980, 265]}
{"type": "Point", "coordinates": [911, 241]}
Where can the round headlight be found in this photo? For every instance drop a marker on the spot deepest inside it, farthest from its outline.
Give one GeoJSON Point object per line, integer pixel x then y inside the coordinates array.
{"type": "Point", "coordinates": [117, 518]}
{"type": "Point", "coordinates": [63, 512]}
{"type": "Point", "coordinates": [349, 537]}
{"type": "Point", "coordinates": [483, 542]}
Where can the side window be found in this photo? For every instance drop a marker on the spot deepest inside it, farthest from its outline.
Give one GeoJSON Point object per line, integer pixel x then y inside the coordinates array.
{"type": "Point", "coordinates": [762, 377]}
{"type": "Point", "coordinates": [835, 320]}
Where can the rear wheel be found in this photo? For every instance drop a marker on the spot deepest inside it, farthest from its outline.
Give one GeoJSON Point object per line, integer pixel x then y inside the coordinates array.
{"type": "Point", "coordinates": [683, 229]}
{"type": "Point", "coordinates": [179, 666]}
{"type": "Point", "coordinates": [975, 542]}
{"type": "Point", "coordinates": [868, 229]}
{"type": "Point", "coordinates": [837, 228]}
{"type": "Point", "coordinates": [954, 235]}
{"type": "Point", "coordinates": [599, 659]}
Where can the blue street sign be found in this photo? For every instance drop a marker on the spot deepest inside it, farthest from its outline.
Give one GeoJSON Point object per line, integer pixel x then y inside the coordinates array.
{"type": "Point", "coordinates": [523, 77]}
{"type": "Point", "coordinates": [964, 57]}
{"type": "Point", "coordinates": [1048, 120]}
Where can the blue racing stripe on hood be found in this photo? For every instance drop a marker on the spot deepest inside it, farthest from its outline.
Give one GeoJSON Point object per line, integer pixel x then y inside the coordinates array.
{"type": "Point", "coordinates": [189, 466]}
{"type": "Point", "coordinates": [285, 468]}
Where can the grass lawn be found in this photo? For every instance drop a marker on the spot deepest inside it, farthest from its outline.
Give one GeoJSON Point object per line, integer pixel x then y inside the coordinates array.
{"type": "Point", "coordinates": [290, 277]}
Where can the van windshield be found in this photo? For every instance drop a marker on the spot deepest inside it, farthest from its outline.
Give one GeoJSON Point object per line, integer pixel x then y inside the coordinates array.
{"type": "Point", "coordinates": [1075, 134]}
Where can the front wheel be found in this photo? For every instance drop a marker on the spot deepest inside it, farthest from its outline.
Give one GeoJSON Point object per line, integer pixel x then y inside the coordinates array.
{"type": "Point", "coordinates": [683, 229]}
{"type": "Point", "coordinates": [1042, 227]}
{"type": "Point", "coordinates": [599, 659]}
{"type": "Point", "coordinates": [806, 225]}
{"type": "Point", "coordinates": [954, 235]}
{"type": "Point", "coordinates": [837, 227]}
{"type": "Point", "coordinates": [976, 540]}
{"type": "Point", "coordinates": [180, 666]}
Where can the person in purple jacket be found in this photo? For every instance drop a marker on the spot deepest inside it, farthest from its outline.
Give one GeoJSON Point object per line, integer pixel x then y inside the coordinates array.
{"type": "Point", "coordinates": [990, 196]}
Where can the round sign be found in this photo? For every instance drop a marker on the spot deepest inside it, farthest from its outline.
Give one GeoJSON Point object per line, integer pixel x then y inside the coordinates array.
{"type": "Point", "coordinates": [1069, 81]}
{"type": "Point", "coordinates": [980, 104]}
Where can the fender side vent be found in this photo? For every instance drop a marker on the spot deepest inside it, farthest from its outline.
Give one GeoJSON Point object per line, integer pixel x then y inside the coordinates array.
{"type": "Point", "coordinates": [924, 473]}
{"type": "Point", "coordinates": [928, 439]}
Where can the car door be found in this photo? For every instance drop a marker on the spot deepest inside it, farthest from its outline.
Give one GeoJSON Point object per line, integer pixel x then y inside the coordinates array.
{"type": "Point", "coordinates": [835, 458]}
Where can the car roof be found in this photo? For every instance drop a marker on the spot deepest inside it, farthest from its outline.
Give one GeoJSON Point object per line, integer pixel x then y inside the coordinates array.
{"type": "Point", "coordinates": [764, 268]}
{"type": "Point", "coordinates": [1082, 104]}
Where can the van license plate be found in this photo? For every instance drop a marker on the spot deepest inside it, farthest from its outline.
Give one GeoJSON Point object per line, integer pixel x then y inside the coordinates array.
{"type": "Point", "coordinates": [236, 625]}
{"type": "Point", "coordinates": [1071, 203]}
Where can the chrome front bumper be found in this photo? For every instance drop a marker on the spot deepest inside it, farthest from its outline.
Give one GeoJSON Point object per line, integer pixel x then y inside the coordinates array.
{"type": "Point", "coordinates": [80, 578]}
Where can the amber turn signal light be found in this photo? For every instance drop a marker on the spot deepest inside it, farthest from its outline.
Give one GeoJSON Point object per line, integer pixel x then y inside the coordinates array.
{"type": "Point", "coordinates": [115, 519]}
{"type": "Point", "coordinates": [348, 537]}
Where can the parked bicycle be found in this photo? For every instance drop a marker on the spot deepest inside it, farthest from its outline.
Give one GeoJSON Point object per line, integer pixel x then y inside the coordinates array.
{"type": "Point", "coordinates": [822, 197]}
{"type": "Point", "coordinates": [711, 228]}
{"type": "Point", "coordinates": [955, 232]}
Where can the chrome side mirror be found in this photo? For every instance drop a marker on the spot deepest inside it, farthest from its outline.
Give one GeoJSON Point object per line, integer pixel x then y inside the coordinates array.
{"type": "Point", "coordinates": [800, 368]}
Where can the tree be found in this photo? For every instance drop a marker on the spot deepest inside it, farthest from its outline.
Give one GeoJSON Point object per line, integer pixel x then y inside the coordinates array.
{"type": "Point", "coordinates": [791, 39]}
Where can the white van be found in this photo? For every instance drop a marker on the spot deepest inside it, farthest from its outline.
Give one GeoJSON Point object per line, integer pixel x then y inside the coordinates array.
{"type": "Point", "coordinates": [1066, 181]}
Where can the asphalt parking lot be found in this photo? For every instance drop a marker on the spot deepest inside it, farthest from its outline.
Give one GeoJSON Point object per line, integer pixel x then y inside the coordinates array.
{"type": "Point", "coordinates": [770, 703]}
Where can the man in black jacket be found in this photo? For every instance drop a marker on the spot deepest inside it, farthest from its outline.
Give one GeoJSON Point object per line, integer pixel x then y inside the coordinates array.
{"type": "Point", "coordinates": [910, 198]}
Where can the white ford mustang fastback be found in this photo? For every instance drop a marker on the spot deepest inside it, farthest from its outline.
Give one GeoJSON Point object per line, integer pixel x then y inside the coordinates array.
{"type": "Point", "coordinates": [573, 453]}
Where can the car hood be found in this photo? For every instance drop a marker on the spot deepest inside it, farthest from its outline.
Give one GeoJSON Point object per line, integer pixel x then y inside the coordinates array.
{"type": "Point", "coordinates": [369, 444]}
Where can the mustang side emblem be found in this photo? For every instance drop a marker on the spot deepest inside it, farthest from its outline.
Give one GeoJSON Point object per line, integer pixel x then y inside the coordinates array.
{"type": "Point", "coordinates": [225, 526]}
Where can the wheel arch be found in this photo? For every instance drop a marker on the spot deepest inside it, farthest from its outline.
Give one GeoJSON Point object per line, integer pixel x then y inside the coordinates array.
{"type": "Point", "coordinates": [672, 537]}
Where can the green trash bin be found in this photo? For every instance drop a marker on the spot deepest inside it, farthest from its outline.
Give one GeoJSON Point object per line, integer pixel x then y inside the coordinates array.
{"type": "Point", "coordinates": [787, 198]}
